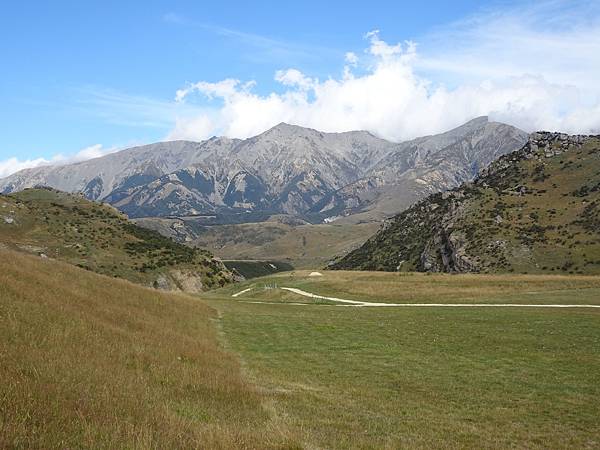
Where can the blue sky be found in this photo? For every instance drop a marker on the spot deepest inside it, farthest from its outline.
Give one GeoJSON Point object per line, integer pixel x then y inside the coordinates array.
{"type": "Point", "coordinates": [79, 79]}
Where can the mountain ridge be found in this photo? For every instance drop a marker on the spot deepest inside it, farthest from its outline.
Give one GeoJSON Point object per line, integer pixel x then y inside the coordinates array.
{"type": "Point", "coordinates": [287, 169]}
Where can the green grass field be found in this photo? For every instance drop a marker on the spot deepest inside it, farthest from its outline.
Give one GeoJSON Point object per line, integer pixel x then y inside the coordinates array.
{"type": "Point", "coordinates": [352, 377]}
{"type": "Point", "coordinates": [254, 269]}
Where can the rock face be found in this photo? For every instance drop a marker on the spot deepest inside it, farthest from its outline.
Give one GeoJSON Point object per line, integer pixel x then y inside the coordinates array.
{"type": "Point", "coordinates": [534, 210]}
{"type": "Point", "coordinates": [287, 169]}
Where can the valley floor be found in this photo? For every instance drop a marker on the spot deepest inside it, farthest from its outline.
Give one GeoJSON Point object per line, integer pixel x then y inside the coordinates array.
{"type": "Point", "coordinates": [88, 361]}
{"type": "Point", "coordinates": [301, 245]}
{"type": "Point", "coordinates": [436, 377]}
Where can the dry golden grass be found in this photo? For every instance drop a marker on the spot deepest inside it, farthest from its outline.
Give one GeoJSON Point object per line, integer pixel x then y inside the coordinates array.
{"type": "Point", "coordinates": [463, 288]}
{"type": "Point", "coordinates": [98, 238]}
{"type": "Point", "coordinates": [87, 361]}
{"type": "Point", "coordinates": [439, 288]}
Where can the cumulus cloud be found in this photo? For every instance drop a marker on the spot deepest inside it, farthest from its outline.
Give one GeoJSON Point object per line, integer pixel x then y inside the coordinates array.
{"type": "Point", "coordinates": [221, 89]}
{"type": "Point", "coordinates": [294, 78]}
{"type": "Point", "coordinates": [515, 66]}
{"type": "Point", "coordinates": [14, 164]}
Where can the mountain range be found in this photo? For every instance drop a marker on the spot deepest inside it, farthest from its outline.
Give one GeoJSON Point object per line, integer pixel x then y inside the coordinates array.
{"type": "Point", "coordinates": [352, 176]}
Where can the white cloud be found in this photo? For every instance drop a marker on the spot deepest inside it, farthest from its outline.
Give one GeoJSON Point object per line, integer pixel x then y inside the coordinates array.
{"type": "Point", "coordinates": [382, 49]}
{"type": "Point", "coordinates": [221, 89]}
{"type": "Point", "coordinates": [14, 164]}
{"type": "Point", "coordinates": [194, 129]}
{"type": "Point", "coordinates": [351, 58]}
{"type": "Point", "coordinates": [93, 151]}
{"type": "Point", "coordinates": [294, 78]}
{"type": "Point", "coordinates": [518, 66]}
{"type": "Point", "coordinates": [558, 39]}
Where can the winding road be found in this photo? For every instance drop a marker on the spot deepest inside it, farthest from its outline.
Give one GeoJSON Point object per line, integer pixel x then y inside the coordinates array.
{"type": "Point", "coordinates": [414, 305]}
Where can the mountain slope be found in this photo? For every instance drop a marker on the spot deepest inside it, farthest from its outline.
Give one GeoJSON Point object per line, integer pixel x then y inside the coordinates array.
{"type": "Point", "coordinates": [93, 362]}
{"type": "Point", "coordinates": [287, 169]}
{"type": "Point", "coordinates": [534, 210]}
{"type": "Point", "coordinates": [426, 165]}
{"type": "Point", "coordinates": [99, 238]}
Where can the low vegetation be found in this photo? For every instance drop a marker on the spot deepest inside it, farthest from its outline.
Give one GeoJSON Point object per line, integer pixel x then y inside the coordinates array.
{"type": "Point", "coordinates": [88, 361]}
{"type": "Point", "coordinates": [254, 269]}
{"type": "Point", "coordinates": [97, 237]}
{"type": "Point", "coordinates": [281, 238]}
{"type": "Point", "coordinates": [382, 287]}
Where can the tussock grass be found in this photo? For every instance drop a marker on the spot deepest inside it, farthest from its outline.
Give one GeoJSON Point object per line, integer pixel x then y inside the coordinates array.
{"type": "Point", "coordinates": [88, 361]}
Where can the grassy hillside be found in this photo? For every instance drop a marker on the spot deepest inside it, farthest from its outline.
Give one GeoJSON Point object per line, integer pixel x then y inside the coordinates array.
{"type": "Point", "coordinates": [536, 210]}
{"type": "Point", "coordinates": [453, 378]}
{"type": "Point", "coordinates": [281, 238]}
{"type": "Point", "coordinates": [88, 361]}
{"type": "Point", "coordinates": [99, 238]}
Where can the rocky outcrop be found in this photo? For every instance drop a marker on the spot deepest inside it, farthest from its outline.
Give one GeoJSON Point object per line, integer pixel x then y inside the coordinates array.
{"type": "Point", "coordinates": [189, 281]}
{"type": "Point", "coordinates": [445, 250]}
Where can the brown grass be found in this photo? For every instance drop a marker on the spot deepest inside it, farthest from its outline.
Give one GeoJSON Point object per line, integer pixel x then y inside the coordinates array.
{"type": "Point", "coordinates": [421, 288]}
{"type": "Point", "coordinates": [89, 361]}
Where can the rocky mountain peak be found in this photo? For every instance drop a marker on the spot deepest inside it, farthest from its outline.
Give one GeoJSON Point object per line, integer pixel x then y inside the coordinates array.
{"type": "Point", "coordinates": [286, 129]}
